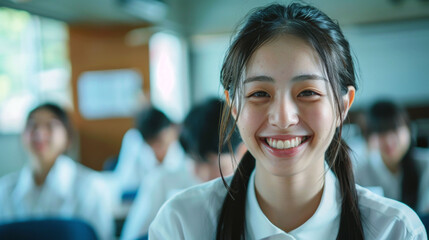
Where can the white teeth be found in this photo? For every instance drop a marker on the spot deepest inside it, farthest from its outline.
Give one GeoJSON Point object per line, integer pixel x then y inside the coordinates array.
{"type": "Point", "coordinates": [287, 144]}
{"type": "Point", "coordinates": [280, 144]}
{"type": "Point", "coordinates": [284, 144]}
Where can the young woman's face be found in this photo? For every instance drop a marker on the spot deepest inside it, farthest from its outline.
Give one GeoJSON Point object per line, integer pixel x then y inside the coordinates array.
{"type": "Point", "coordinates": [393, 145]}
{"type": "Point", "coordinates": [287, 120]}
{"type": "Point", "coordinates": [45, 136]}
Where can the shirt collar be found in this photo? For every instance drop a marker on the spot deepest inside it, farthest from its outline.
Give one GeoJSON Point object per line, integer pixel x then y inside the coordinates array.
{"type": "Point", "coordinates": [59, 179]}
{"type": "Point", "coordinates": [324, 223]}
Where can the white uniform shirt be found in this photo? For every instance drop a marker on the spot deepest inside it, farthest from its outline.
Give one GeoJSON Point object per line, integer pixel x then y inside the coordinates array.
{"type": "Point", "coordinates": [161, 185]}
{"type": "Point", "coordinates": [193, 214]}
{"type": "Point", "coordinates": [136, 159]}
{"type": "Point", "coordinates": [371, 172]}
{"type": "Point", "coordinates": [70, 190]}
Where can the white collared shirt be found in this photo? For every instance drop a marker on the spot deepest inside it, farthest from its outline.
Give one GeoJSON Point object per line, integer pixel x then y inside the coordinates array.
{"type": "Point", "coordinates": [193, 214]}
{"type": "Point", "coordinates": [136, 159]}
{"type": "Point", "coordinates": [160, 186]}
{"type": "Point", "coordinates": [371, 172]}
{"type": "Point", "coordinates": [70, 190]}
{"type": "Point", "coordinates": [322, 225]}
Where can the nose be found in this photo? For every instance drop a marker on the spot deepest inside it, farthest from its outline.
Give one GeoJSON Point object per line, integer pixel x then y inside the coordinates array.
{"type": "Point", "coordinates": [40, 133]}
{"type": "Point", "coordinates": [283, 113]}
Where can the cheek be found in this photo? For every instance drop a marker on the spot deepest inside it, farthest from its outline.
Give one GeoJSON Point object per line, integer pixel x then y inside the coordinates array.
{"type": "Point", "coordinates": [405, 139]}
{"type": "Point", "coordinates": [320, 119]}
{"type": "Point", "coordinates": [59, 139]}
{"type": "Point", "coordinates": [250, 120]}
{"type": "Point", "coordinates": [26, 138]}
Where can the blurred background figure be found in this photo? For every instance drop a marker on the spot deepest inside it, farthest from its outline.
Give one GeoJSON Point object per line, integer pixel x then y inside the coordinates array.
{"type": "Point", "coordinates": [200, 139]}
{"type": "Point", "coordinates": [393, 165]}
{"type": "Point", "coordinates": [152, 144]}
{"type": "Point", "coordinates": [52, 184]}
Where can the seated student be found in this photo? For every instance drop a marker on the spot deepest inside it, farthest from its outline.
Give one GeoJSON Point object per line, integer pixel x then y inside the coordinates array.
{"type": "Point", "coordinates": [52, 184]}
{"type": "Point", "coordinates": [151, 144]}
{"type": "Point", "coordinates": [393, 162]}
{"type": "Point", "coordinates": [200, 139]}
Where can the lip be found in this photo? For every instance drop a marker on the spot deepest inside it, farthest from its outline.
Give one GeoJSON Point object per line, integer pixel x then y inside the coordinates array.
{"type": "Point", "coordinates": [39, 146]}
{"type": "Point", "coordinates": [284, 153]}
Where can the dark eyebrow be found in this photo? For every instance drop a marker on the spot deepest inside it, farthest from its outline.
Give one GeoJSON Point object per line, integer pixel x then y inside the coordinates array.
{"type": "Point", "coordinates": [296, 78]}
{"type": "Point", "coordinates": [308, 77]}
{"type": "Point", "coordinates": [258, 78]}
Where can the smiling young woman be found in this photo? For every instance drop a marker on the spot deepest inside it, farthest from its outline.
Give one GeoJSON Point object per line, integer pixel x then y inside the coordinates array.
{"type": "Point", "coordinates": [289, 82]}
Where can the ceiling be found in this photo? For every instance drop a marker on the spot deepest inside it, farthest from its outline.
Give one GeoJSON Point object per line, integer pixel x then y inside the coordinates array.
{"type": "Point", "coordinates": [215, 16]}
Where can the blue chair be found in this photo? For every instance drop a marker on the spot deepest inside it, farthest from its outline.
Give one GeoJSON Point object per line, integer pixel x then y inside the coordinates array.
{"type": "Point", "coordinates": [47, 229]}
{"type": "Point", "coordinates": [144, 237]}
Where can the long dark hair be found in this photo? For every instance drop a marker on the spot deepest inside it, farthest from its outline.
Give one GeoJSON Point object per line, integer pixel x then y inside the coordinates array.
{"type": "Point", "coordinates": [384, 116]}
{"type": "Point", "coordinates": [326, 38]}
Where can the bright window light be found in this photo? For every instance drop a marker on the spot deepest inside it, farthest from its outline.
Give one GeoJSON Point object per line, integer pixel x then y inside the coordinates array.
{"type": "Point", "coordinates": [169, 75]}
{"type": "Point", "coordinates": [34, 66]}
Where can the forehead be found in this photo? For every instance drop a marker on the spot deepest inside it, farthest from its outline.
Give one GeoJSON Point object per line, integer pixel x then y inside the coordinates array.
{"type": "Point", "coordinates": [43, 115]}
{"type": "Point", "coordinates": [284, 56]}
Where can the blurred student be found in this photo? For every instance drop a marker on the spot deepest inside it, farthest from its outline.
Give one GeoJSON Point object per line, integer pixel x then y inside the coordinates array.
{"type": "Point", "coordinates": [393, 162]}
{"type": "Point", "coordinates": [200, 139]}
{"type": "Point", "coordinates": [52, 184]}
{"type": "Point", "coordinates": [153, 143]}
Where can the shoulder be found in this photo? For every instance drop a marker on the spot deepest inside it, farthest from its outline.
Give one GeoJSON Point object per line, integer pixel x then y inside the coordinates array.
{"type": "Point", "coordinates": [86, 181]}
{"type": "Point", "coordinates": [384, 218]}
{"type": "Point", "coordinates": [83, 174]}
{"type": "Point", "coordinates": [9, 182]}
{"type": "Point", "coordinates": [192, 213]}
{"type": "Point", "coordinates": [211, 193]}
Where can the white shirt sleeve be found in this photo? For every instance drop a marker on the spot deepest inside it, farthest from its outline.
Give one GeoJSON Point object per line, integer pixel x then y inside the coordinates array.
{"type": "Point", "coordinates": [149, 200]}
{"type": "Point", "coordinates": [158, 230]}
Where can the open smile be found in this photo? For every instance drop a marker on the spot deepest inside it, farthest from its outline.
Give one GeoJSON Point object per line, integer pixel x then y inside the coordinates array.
{"type": "Point", "coordinates": [285, 146]}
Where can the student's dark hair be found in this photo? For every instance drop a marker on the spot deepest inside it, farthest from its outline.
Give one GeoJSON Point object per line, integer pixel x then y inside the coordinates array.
{"type": "Point", "coordinates": [384, 116]}
{"type": "Point", "coordinates": [326, 38]}
{"type": "Point", "coordinates": [200, 130]}
{"type": "Point", "coordinates": [59, 113]}
{"type": "Point", "coordinates": [150, 122]}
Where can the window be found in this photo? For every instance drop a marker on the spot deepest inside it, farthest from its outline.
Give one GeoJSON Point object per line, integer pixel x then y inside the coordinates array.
{"type": "Point", "coordinates": [34, 66]}
{"type": "Point", "coordinates": [169, 75]}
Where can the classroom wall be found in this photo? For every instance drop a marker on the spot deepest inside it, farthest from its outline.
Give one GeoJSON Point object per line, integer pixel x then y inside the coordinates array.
{"type": "Point", "coordinates": [392, 61]}
{"type": "Point", "coordinates": [12, 154]}
{"type": "Point", "coordinates": [103, 48]}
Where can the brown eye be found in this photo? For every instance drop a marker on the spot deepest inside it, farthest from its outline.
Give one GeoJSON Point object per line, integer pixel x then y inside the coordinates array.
{"type": "Point", "coordinates": [308, 93]}
{"type": "Point", "coordinates": [259, 94]}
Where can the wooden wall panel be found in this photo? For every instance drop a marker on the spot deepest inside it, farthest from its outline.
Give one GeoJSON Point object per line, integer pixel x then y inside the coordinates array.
{"type": "Point", "coordinates": [102, 48]}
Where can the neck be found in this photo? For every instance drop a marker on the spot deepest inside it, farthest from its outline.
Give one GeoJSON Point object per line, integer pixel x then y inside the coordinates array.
{"type": "Point", "coordinates": [288, 202]}
{"type": "Point", "coordinates": [391, 165]}
{"type": "Point", "coordinates": [41, 168]}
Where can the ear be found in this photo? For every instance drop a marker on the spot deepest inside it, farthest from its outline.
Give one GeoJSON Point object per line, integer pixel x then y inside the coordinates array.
{"type": "Point", "coordinates": [348, 100]}
{"type": "Point", "coordinates": [228, 101]}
